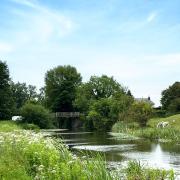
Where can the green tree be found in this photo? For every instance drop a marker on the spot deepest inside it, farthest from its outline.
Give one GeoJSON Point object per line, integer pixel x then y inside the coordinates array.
{"type": "Point", "coordinates": [104, 86]}
{"type": "Point", "coordinates": [22, 93]}
{"type": "Point", "coordinates": [36, 114]}
{"type": "Point", "coordinates": [6, 100]}
{"type": "Point", "coordinates": [95, 89]}
{"type": "Point", "coordinates": [60, 87]}
{"type": "Point", "coordinates": [170, 98]}
{"type": "Point", "coordinates": [103, 113]}
{"type": "Point", "coordinates": [140, 112]}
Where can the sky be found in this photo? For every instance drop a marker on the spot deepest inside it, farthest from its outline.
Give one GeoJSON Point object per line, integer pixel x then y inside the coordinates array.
{"type": "Point", "coordinates": [135, 41]}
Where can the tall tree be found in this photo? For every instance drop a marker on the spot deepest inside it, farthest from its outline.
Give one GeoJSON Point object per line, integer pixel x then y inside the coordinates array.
{"type": "Point", "coordinates": [60, 87]}
{"type": "Point", "coordinates": [171, 98]}
{"type": "Point", "coordinates": [96, 89]}
{"type": "Point", "coordinates": [6, 100]}
{"type": "Point", "coordinates": [22, 93]}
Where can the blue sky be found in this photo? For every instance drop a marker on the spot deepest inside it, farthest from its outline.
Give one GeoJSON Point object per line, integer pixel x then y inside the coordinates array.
{"type": "Point", "coordinates": [136, 41]}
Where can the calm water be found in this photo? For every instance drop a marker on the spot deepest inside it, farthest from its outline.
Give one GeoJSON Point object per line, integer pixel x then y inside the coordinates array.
{"type": "Point", "coordinates": [119, 151]}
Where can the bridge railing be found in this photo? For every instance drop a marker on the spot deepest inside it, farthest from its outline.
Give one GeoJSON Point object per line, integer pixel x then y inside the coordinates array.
{"type": "Point", "coordinates": [67, 114]}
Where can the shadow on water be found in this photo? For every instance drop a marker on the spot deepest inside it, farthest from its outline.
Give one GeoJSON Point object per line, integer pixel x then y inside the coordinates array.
{"type": "Point", "coordinates": [118, 152]}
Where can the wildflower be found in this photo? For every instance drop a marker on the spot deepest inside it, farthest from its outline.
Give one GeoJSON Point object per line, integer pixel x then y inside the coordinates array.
{"type": "Point", "coordinates": [53, 171]}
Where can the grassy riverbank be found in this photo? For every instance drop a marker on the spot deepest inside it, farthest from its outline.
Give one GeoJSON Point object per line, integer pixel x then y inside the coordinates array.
{"type": "Point", "coordinates": [26, 155]}
{"type": "Point", "coordinates": [170, 133]}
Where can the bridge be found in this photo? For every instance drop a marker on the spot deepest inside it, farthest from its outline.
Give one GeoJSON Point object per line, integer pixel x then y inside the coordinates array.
{"type": "Point", "coordinates": [67, 114]}
{"type": "Point", "coordinates": [68, 120]}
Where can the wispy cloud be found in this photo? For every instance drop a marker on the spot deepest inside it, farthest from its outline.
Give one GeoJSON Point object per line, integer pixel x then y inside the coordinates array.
{"type": "Point", "coordinates": [42, 23]}
{"type": "Point", "coordinates": [151, 17]}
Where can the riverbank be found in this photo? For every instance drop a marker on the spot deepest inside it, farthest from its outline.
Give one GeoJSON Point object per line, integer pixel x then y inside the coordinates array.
{"type": "Point", "coordinates": [29, 155]}
{"type": "Point", "coordinates": [169, 133]}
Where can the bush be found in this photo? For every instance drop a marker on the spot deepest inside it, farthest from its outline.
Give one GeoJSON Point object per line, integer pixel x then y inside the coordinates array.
{"type": "Point", "coordinates": [36, 114]}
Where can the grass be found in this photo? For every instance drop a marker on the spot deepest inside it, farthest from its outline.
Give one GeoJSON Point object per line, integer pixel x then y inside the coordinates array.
{"type": "Point", "coordinates": [26, 155]}
{"type": "Point", "coordinates": [170, 133]}
{"type": "Point", "coordinates": [8, 126]}
{"type": "Point", "coordinates": [136, 171]}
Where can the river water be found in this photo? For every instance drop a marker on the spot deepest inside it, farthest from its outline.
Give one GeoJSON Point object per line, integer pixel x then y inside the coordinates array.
{"type": "Point", "coordinates": [118, 151]}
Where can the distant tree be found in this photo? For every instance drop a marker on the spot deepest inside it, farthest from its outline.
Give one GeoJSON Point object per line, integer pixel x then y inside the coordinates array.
{"type": "Point", "coordinates": [6, 100]}
{"type": "Point", "coordinates": [22, 93]}
{"type": "Point", "coordinates": [41, 96]}
{"type": "Point", "coordinates": [103, 113]}
{"type": "Point", "coordinates": [60, 87]}
{"type": "Point", "coordinates": [170, 98]}
{"type": "Point", "coordinates": [95, 89]}
{"type": "Point", "coordinates": [140, 112]}
{"type": "Point", "coordinates": [104, 86]}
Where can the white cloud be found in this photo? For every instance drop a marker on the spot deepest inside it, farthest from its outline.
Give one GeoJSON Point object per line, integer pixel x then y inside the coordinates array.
{"type": "Point", "coordinates": [40, 23]}
{"type": "Point", "coordinates": [151, 17]}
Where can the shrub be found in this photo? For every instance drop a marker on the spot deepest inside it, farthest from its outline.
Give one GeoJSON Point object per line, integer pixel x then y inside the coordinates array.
{"type": "Point", "coordinates": [36, 114]}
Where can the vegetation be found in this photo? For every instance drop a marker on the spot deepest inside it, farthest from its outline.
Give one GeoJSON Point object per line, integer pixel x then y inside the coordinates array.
{"type": "Point", "coordinates": [6, 101]}
{"type": "Point", "coordinates": [136, 170]}
{"type": "Point", "coordinates": [171, 99]}
{"type": "Point", "coordinates": [61, 83]}
{"type": "Point", "coordinates": [102, 99]}
{"type": "Point", "coordinates": [36, 114]}
{"type": "Point", "coordinates": [170, 133]}
{"type": "Point", "coordinates": [21, 94]}
{"type": "Point", "coordinates": [37, 157]}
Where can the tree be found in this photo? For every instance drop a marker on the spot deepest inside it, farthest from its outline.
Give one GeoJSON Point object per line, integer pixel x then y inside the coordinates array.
{"type": "Point", "coordinates": [104, 86]}
{"type": "Point", "coordinates": [6, 101]}
{"type": "Point", "coordinates": [36, 114]}
{"type": "Point", "coordinates": [170, 98]}
{"type": "Point", "coordinates": [96, 89]}
{"type": "Point", "coordinates": [60, 87]}
{"type": "Point", "coordinates": [103, 113]}
{"type": "Point", "coordinates": [140, 112]}
{"type": "Point", "coordinates": [22, 93]}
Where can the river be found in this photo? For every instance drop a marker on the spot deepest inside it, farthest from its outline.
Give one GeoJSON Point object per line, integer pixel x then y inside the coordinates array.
{"type": "Point", "coordinates": [118, 151]}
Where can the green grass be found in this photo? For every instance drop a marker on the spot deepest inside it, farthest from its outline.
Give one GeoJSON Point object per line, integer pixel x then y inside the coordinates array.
{"type": "Point", "coordinates": [170, 133]}
{"type": "Point", "coordinates": [136, 171]}
{"type": "Point", "coordinates": [8, 126]}
{"type": "Point", "coordinates": [174, 121]}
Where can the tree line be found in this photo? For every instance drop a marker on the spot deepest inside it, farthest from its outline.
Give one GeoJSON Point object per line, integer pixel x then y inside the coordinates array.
{"type": "Point", "coordinates": [102, 101]}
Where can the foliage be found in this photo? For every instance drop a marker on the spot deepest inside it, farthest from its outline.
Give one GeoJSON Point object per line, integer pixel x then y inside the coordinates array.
{"type": "Point", "coordinates": [104, 87]}
{"type": "Point", "coordinates": [102, 100]}
{"type": "Point", "coordinates": [103, 113]}
{"type": "Point", "coordinates": [22, 93]}
{"type": "Point", "coordinates": [61, 83]}
{"type": "Point", "coordinates": [36, 114]}
{"type": "Point", "coordinates": [136, 170]}
{"type": "Point", "coordinates": [171, 98]}
{"type": "Point", "coordinates": [140, 112]}
{"type": "Point", "coordinates": [6, 101]}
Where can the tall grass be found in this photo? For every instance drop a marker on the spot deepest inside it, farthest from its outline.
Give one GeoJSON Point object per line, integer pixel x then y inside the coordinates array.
{"type": "Point", "coordinates": [28, 155]}
{"type": "Point", "coordinates": [136, 171]}
{"type": "Point", "coordinates": [170, 133]}
{"type": "Point", "coordinates": [8, 126]}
